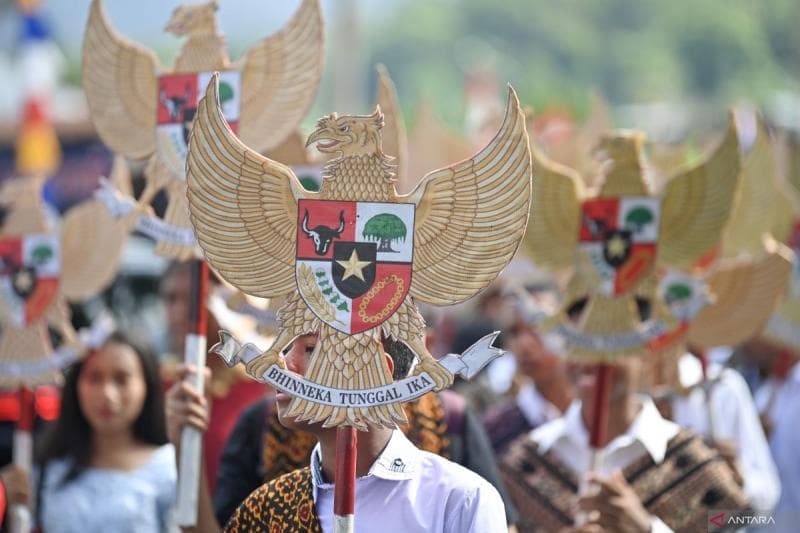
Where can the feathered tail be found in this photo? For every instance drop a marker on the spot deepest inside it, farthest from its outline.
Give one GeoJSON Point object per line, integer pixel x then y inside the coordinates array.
{"type": "Point", "coordinates": [26, 347]}
{"type": "Point", "coordinates": [159, 177]}
{"type": "Point", "coordinates": [354, 362]}
{"type": "Point", "coordinates": [177, 215]}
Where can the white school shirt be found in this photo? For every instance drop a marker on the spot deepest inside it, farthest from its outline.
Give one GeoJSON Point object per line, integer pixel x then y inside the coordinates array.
{"type": "Point", "coordinates": [784, 441]}
{"type": "Point", "coordinates": [568, 438]}
{"type": "Point", "coordinates": [408, 490]}
{"type": "Point", "coordinates": [735, 419]}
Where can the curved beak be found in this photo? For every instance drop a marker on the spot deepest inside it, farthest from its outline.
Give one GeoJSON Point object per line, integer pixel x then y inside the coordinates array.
{"type": "Point", "coordinates": [323, 136]}
{"type": "Point", "coordinates": [315, 136]}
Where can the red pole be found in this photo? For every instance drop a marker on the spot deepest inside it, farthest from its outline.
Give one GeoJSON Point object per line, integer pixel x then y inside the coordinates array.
{"type": "Point", "coordinates": [191, 439]}
{"type": "Point", "coordinates": [20, 515]}
{"type": "Point", "coordinates": [597, 433]}
{"type": "Point", "coordinates": [344, 492]}
{"type": "Point", "coordinates": [598, 429]}
{"type": "Point", "coordinates": [26, 410]}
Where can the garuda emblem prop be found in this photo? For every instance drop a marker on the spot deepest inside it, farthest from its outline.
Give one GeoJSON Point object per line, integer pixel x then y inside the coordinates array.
{"type": "Point", "coordinates": [352, 258]}
{"type": "Point", "coordinates": [769, 203]}
{"type": "Point", "coordinates": [40, 270]}
{"type": "Point", "coordinates": [143, 110]}
{"type": "Point", "coordinates": [619, 243]}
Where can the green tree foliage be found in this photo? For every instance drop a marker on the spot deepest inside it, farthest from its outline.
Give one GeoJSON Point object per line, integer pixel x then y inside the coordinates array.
{"type": "Point", "coordinates": [308, 182]}
{"type": "Point", "coordinates": [558, 52]}
{"type": "Point", "coordinates": [639, 217]}
{"type": "Point", "coordinates": [225, 91]}
{"type": "Point", "coordinates": [42, 254]}
{"type": "Point", "coordinates": [677, 292]}
{"type": "Point", "coordinates": [385, 228]}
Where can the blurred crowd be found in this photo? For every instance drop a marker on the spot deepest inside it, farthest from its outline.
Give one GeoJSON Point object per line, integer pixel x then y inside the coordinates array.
{"type": "Point", "coordinates": [107, 435]}
{"type": "Point", "coordinates": [698, 428]}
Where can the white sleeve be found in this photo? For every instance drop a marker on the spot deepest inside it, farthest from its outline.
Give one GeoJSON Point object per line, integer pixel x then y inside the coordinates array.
{"type": "Point", "coordinates": [737, 420]}
{"type": "Point", "coordinates": [481, 511]}
{"type": "Point", "coordinates": [657, 526]}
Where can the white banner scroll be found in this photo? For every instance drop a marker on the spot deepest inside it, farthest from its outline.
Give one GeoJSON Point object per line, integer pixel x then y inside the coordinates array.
{"type": "Point", "coordinates": [467, 365]}
{"type": "Point", "coordinates": [150, 225]}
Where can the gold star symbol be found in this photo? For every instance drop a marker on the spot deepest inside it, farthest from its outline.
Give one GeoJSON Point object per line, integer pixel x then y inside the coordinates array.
{"type": "Point", "coordinates": [616, 246]}
{"type": "Point", "coordinates": [353, 267]}
{"type": "Point", "coordinates": [24, 281]}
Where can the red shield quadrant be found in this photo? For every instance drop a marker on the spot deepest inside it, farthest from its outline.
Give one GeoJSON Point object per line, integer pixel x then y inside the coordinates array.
{"type": "Point", "coordinates": [619, 237]}
{"type": "Point", "coordinates": [354, 259]}
{"type": "Point", "coordinates": [29, 271]}
{"type": "Point", "coordinates": [178, 96]}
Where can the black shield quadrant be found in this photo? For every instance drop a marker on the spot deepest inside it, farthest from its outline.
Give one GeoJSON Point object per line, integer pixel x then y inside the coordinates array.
{"type": "Point", "coordinates": [353, 267]}
{"type": "Point", "coordinates": [617, 247]}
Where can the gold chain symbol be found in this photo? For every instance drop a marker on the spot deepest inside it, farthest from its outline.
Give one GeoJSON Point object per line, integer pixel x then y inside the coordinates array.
{"type": "Point", "coordinates": [373, 292]}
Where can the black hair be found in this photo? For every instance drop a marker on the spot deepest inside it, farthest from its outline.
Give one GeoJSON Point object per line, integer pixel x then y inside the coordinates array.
{"type": "Point", "coordinates": [402, 356]}
{"type": "Point", "coordinates": [70, 437]}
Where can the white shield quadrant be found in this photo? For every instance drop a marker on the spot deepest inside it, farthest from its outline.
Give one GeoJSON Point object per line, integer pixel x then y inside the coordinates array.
{"type": "Point", "coordinates": [178, 96]}
{"type": "Point", "coordinates": [354, 260]}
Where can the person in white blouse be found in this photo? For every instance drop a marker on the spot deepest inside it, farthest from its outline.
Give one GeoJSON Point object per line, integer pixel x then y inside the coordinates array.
{"type": "Point", "coordinates": [721, 408]}
{"type": "Point", "coordinates": [778, 400]}
{"type": "Point", "coordinates": [649, 475]}
{"type": "Point", "coordinates": [545, 390]}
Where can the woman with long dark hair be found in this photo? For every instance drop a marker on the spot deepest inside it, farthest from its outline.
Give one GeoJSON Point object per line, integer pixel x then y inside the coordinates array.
{"type": "Point", "coordinates": [106, 462]}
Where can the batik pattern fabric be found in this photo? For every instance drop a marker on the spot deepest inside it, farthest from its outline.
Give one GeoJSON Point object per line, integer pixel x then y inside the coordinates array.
{"type": "Point", "coordinates": [287, 449]}
{"type": "Point", "coordinates": [692, 481]}
{"type": "Point", "coordinates": [284, 504]}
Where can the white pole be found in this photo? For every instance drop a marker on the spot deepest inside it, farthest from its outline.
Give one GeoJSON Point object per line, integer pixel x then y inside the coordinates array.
{"type": "Point", "coordinates": [191, 440]}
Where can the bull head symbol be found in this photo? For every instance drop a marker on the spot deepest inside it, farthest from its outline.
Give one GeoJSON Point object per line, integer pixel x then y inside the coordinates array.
{"type": "Point", "coordinates": [323, 235]}
{"type": "Point", "coordinates": [175, 104]}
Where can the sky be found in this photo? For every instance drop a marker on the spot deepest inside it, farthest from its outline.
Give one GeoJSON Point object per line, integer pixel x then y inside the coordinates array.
{"type": "Point", "coordinates": [243, 21]}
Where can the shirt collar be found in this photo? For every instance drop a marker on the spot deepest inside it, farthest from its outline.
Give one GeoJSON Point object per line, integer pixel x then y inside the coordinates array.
{"type": "Point", "coordinates": [399, 460]}
{"type": "Point", "coordinates": [649, 429]}
{"type": "Point", "coordinates": [535, 408]}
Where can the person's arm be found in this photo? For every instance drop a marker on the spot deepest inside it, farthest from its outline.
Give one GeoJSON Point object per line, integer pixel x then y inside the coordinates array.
{"type": "Point", "coordinates": [14, 488]}
{"type": "Point", "coordinates": [185, 405]}
{"type": "Point", "coordinates": [615, 506]}
{"type": "Point", "coordinates": [239, 471]}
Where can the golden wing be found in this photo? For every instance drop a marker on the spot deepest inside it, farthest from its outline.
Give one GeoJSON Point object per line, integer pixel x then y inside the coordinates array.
{"type": "Point", "coordinates": [280, 76]}
{"type": "Point", "coordinates": [471, 216]}
{"type": "Point", "coordinates": [242, 205]}
{"type": "Point", "coordinates": [552, 235]}
{"type": "Point", "coordinates": [745, 296]}
{"type": "Point", "coordinates": [791, 152]}
{"type": "Point", "coordinates": [120, 176]}
{"type": "Point", "coordinates": [697, 204]}
{"type": "Point", "coordinates": [92, 242]}
{"type": "Point", "coordinates": [597, 123]}
{"type": "Point", "coordinates": [764, 203]}
{"type": "Point", "coordinates": [394, 129]}
{"type": "Point", "coordinates": [120, 79]}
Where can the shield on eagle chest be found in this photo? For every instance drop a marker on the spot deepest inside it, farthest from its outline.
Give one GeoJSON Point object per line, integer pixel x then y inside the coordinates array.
{"type": "Point", "coordinates": [619, 238]}
{"type": "Point", "coordinates": [178, 96]}
{"type": "Point", "coordinates": [29, 271]}
{"type": "Point", "coordinates": [353, 261]}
